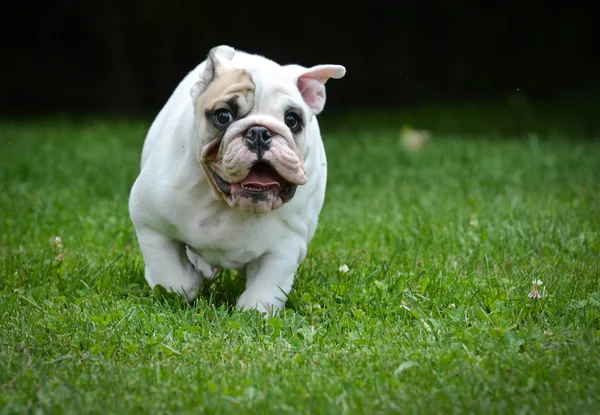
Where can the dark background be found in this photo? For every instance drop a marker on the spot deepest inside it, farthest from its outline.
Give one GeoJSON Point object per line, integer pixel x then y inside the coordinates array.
{"type": "Point", "coordinates": [126, 57]}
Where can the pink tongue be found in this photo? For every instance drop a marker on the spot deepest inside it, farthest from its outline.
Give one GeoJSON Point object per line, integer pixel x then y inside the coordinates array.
{"type": "Point", "coordinates": [260, 179]}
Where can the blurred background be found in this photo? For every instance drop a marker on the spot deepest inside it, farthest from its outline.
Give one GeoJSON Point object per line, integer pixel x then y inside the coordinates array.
{"type": "Point", "coordinates": [126, 57]}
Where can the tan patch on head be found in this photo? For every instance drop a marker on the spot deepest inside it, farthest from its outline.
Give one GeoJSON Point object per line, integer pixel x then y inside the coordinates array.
{"type": "Point", "coordinates": [227, 85]}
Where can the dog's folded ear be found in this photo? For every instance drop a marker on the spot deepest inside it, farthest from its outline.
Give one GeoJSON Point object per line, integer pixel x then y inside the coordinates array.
{"type": "Point", "coordinates": [214, 61]}
{"type": "Point", "coordinates": [311, 83]}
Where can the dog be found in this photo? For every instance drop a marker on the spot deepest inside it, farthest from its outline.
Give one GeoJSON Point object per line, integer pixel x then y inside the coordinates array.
{"type": "Point", "coordinates": [233, 175]}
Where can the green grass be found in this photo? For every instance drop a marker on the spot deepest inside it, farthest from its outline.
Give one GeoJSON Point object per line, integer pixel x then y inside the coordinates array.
{"type": "Point", "coordinates": [433, 317]}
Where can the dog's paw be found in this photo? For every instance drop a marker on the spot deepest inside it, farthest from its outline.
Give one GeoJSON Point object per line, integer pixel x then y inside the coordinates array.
{"type": "Point", "coordinates": [249, 301]}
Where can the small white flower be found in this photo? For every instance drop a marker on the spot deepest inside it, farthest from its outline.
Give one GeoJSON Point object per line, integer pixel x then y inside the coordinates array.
{"type": "Point", "coordinates": [56, 241]}
{"type": "Point", "coordinates": [534, 293]}
{"type": "Point", "coordinates": [452, 306]}
{"type": "Point", "coordinates": [343, 268]}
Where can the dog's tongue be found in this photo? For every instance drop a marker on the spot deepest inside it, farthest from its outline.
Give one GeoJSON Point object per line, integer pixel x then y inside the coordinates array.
{"type": "Point", "coordinates": [260, 178]}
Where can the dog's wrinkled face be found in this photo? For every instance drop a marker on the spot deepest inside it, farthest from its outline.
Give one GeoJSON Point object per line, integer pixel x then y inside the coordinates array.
{"type": "Point", "coordinates": [251, 123]}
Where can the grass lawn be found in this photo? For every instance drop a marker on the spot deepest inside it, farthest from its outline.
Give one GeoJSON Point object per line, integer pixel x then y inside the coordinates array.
{"type": "Point", "coordinates": [432, 316]}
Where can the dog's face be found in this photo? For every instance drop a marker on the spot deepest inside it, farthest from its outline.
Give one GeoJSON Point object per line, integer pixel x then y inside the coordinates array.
{"type": "Point", "coordinates": [252, 117]}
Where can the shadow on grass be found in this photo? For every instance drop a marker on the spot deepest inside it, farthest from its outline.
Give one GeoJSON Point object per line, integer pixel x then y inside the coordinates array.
{"type": "Point", "coordinates": [222, 291]}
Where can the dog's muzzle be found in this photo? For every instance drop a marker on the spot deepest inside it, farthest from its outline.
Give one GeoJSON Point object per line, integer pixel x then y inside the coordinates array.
{"type": "Point", "coordinates": [257, 171]}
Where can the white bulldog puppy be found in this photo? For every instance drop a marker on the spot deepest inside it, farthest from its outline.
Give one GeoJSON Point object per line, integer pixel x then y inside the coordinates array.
{"type": "Point", "coordinates": [233, 175]}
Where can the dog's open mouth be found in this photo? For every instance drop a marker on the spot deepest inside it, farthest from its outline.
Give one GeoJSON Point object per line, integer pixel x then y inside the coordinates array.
{"type": "Point", "coordinates": [261, 182]}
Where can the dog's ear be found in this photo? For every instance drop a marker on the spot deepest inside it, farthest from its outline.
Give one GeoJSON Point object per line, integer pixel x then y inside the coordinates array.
{"type": "Point", "coordinates": [214, 62]}
{"type": "Point", "coordinates": [311, 83]}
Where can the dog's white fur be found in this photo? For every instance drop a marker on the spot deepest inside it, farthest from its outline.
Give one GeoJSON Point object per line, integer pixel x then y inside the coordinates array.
{"type": "Point", "coordinates": [184, 227]}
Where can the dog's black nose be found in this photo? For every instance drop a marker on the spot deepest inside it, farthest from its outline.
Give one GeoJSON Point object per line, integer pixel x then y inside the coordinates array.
{"type": "Point", "coordinates": [258, 138]}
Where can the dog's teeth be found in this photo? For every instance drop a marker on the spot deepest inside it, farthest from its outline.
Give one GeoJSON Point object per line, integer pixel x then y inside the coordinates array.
{"type": "Point", "coordinates": [255, 188]}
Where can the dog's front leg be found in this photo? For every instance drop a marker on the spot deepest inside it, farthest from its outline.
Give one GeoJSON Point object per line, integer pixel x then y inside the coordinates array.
{"type": "Point", "coordinates": [167, 264]}
{"type": "Point", "coordinates": [269, 279]}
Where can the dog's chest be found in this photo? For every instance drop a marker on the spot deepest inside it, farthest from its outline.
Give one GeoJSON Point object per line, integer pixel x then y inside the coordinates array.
{"type": "Point", "coordinates": [231, 240]}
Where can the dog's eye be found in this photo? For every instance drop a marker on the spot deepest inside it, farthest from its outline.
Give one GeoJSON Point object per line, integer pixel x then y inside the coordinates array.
{"type": "Point", "coordinates": [292, 120]}
{"type": "Point", "coordinates": [222, 117]}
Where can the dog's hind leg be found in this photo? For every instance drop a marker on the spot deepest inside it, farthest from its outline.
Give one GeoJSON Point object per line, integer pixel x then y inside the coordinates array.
{"type": "Point", "coordinates": [201, 265]}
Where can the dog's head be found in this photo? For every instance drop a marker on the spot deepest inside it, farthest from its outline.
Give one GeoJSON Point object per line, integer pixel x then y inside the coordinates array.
{"type": "Point", "coordinates": [252, 116]}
